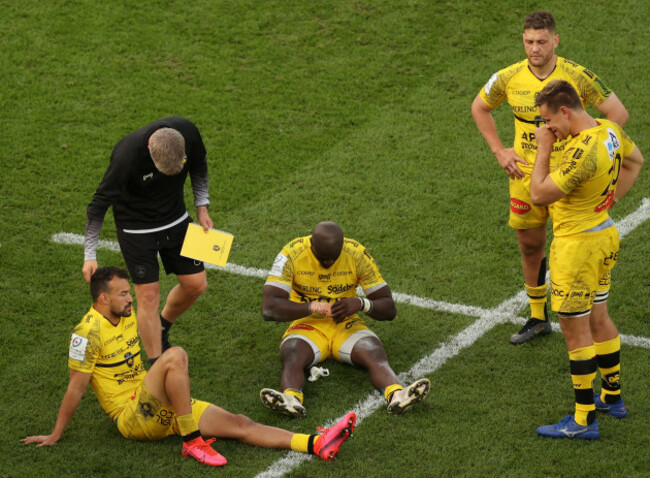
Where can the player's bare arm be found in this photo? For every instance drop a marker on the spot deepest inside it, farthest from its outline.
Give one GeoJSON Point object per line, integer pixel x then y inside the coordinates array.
{"type": "Point", "coordinates": [485, 123]}
{"type": "Point", "coordinates": [277, 307]}
{"type": "Point", "coordinates": [614, 110]}
{"type": "Point", "coordinates": [76, 388]}
{"type": "Point", "coordinates": [543, 190]}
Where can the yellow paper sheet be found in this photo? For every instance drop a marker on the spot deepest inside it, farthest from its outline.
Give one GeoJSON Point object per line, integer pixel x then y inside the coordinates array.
{"type": "Point", "coordinates": [212, 246]}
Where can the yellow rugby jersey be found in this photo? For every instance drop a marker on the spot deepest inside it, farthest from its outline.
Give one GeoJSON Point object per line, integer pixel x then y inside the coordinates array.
{"type": "Point", "coordinates": [520, 86]}
{"type": "Point", "coordinates": [111, 353]}
{"type": "Point", "coordinates": [297, 271]}
{"type": "Point", "coordinates": [588, 172]}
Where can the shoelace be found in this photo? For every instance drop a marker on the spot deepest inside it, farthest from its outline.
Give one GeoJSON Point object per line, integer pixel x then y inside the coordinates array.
{"type": "Point", "coordinates": [206, 448]}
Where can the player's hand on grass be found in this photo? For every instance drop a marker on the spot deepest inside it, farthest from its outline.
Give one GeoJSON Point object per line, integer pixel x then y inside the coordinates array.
{"type": "Point", "coordinates": [508, 161]}
{"type": "Point", "coordinates": [89, 269]}
{"type": "Point", "coordinates": [42, 440]}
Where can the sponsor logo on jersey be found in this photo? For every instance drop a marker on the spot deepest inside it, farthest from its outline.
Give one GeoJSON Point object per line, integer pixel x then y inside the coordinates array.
{"type": "Point", "coordinates": [301, 327]}
{"type": "Point", "coordinates": [524, 109]}
{"type": "Point", "coordinates": [339, 289]}
{"type": "Point", "coordinates": [520, 92]}
{"type": "Point", "coordinates": [586, 140]}
{"type": "Point", "coordinates": [278, 265]}
{"type": "Point", "coordinates": [146, 177]}
{"type": "Point", "coordinates": [324, 277]}
{"type": "Point", "coordinates": [612, 143]}
{"type": "Point", "coordinates": [308, 288]}
{"type": "Point", "coordinates": [605, 203]}
{"type": "Point", "coordinates": [518, 206]}
{"type": "Point", "coordinates": [305, 273]}
{"type": "Point", "coordinates": [342, 273]}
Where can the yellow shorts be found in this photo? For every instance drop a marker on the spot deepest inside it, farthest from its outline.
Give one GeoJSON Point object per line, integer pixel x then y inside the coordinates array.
{"type": "Point", "coordinates": [145, 418]}
{"type": "Point", "coordinates": [523, 213]}
{"type": "Point", "coordinates": [327, 338]}
{"type": "Point", "coordinates": [581, 266]}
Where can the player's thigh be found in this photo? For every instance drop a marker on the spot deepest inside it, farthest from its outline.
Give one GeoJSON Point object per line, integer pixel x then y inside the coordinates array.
{"type": "Point", "coordinates": [523, 213]}
{"type": "Point", "coordinates": [308, 340]}
{"type": "Point", "coordinates": [145, 417]}
{"type": "Point", "coordinates": [354, 342]}
{"type": "Point", "coordinates": [140, 252]}
{"type": "Point", "coordinates": [580, 267]}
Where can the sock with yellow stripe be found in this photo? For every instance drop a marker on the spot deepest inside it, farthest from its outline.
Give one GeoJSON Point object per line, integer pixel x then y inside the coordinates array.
{"type": "Point", "coordinates": [294, 392]}
{"type": "Point", "coordinates": [608, 357]}
{"type": "Point", "coordinates": [583, 373]}
{"type": "Point", "coordinates": [537, 299]}
{"type": "Point", "coordinates": [390, 390]}
{"type": "Point", "coordinates": [303, 443]}
{"type": "Point", "coordinates": [188, 427]}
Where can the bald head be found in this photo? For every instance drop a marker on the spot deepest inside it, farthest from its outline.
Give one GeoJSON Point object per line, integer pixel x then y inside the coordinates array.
{"type": "Point", "coordinates": [327, 242]}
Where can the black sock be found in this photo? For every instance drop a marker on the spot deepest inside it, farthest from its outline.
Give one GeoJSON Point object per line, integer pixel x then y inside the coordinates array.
{"type": "Point", "coordinates": [191, 436]}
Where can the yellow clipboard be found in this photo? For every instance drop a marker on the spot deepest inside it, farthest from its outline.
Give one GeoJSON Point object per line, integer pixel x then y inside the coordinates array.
{"type": "Point", "coordinates": [212, 246]}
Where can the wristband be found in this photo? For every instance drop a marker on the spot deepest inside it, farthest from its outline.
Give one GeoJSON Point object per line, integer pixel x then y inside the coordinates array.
{"type": "Point", "coordinates": [366, 305]}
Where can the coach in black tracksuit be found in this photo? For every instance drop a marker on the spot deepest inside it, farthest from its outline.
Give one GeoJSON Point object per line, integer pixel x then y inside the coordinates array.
{"type": "Point", "coordinates": [144, 184]}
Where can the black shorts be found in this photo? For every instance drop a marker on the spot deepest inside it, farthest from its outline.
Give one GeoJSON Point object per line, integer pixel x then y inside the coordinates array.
{"type": "Point", "coordinates": [141, 251]}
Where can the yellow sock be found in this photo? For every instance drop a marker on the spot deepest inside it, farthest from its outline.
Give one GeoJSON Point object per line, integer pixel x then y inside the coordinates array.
{"type": "Point", "coordinates": [294, 392]}
{"type": "Point", "coordinates": [187, 424]}
{"type": "Point", "coordinates": [583, 373]}
{"type": "Point", "coordinates": [300, 442]}
{"type": "Point", "coordinates": [608, 356]}
{"type": "Point", "coordinates": [388, 392]}
{"type": "Point", "coordinates": [537, 299]}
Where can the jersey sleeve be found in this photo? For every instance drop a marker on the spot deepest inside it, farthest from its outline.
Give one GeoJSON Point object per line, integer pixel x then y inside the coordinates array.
{"type": "Point", "coordinates": [85, 344]}
{"type": "Point", "coordinates": [575, 167]}
{"type": "Point", "coordinates": [590, 87]}
{"type": "Point", "coordinates": [495, 90]}
{"type": "Point", "coordinates": [282, 271]}
{"type": "Point", "coordinates": [368, 273]}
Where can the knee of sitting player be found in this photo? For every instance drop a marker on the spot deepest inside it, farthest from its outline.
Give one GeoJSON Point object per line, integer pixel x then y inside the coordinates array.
{"type": "Point", "coordinates": [176, 357]}
{"type": "Point", "coordinates": [296, 352]}
{"type": "Point", "coordinates": [368, 352]}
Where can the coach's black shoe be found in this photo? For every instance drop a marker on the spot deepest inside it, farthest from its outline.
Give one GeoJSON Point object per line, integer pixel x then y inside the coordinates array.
{"type": "Point", "coordinates": [531, 329]}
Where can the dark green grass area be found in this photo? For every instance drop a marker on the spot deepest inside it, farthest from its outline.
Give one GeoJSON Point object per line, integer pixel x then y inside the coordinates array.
{"type": "Point", "coordinates": [353, 111]}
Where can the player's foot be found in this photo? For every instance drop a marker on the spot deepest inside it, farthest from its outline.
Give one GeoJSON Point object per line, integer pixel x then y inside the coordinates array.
{"type": "Point", "coordinates": [616, 410]}
{"type": "Point", "coordinates": [330, 440]}
{"type": "Point", "coordinates": [404, 399]}
{"type": "Point", "coordinates": [568, 428]}
{"type": "Point", "coordinates": [282, 402]}
{"type": "Point", "coordinates": [531, 329]}
{"type": "Point", "coordinates": [201, 451]}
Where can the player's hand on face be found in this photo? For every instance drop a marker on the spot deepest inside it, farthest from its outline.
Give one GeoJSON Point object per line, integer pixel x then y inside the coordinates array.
{"type": "Point", "coordinates": [42, 440]}
{"type": "Point", "coordinates": [508, 161]}
{"type": "Point", "coordinates": [345, 308]}
{"type": "Point", "coordinates": [89, 269]}
{"type": "Point", "coordinates": [545, 136]}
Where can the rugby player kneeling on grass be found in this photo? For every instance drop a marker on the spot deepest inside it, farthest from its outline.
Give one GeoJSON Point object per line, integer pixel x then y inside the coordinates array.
{"type": "Point", "coordinates": [150, 405]}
